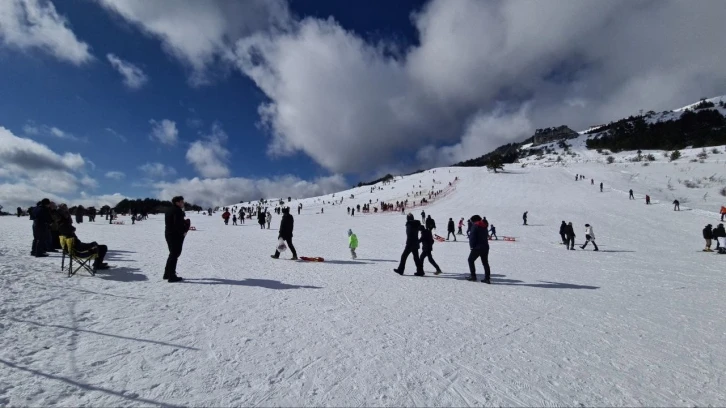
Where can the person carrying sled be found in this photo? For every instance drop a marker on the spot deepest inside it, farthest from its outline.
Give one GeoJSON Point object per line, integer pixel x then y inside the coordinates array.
{"type": "Point", "coordinates": [412, 246]}
{"type": "Point", "coordinates": [479, 245]}
{"type": "Point", "coordinates": [427, 246]}
{"type": "Point", "coordinates": [352, 244]}
{"type": "Point", "coordinates": [707, 235]}
{"type": "Point", "coordinates": [676, 205]}
{"type": "Point", "coordinates": [450, 229]}
{"type": "Point", "coordinates": [286, 226]}
{"type": "Point", "coordinates": [589, 237]}
{"type": "Point", "coordinates": [570, 237]}
{"type": "Point", "coordinates": [563, 232]}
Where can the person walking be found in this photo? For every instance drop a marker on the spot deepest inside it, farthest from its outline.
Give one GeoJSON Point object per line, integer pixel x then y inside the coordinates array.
{"type": "Point", "coordinates": [423, 216]}
{"type": "Point", "coordinates": [175, 231]}
{"type": "Point", "coordinates": [461, 226]}
{"type": "Point", "coordinates": [570, 236]}
{"type": "Point", "coordinates": [412, 246]}
{"type": "Point", "coordinates": [589, 237]}
{"type": "Point", "coordinates": [647, 199]}
{"type": "Point", "coordinates": [631, 196]}
{"type": "Point", "coordinates": [707, 235]}
{"type": "Point", "coordinates": [479, 245]}
{"type": "Point", "coordinates": [493, 233]}
{"type": "Point", "coordinates": [450, 229]}
{"type": "Point", "coordinates": [524, 217]}
{"type": "Point", "coordinates": [352, 244]}
{"type": "Point", "coordinates": [430, 223]}
{"type": "Point", "coordinates": [563, 232]}
{"type": "Point", "coordinates": [287, 224]}
{"type": "Point", "coordinates": [427, 246]}
{"type": "Point", "coordinates": [261, 218]}
{"type": "Point", "coordinates": [601, 187]}
{"type": "Point", "coordinates": [234, 219]}
{"type": "Point", "coordinates": [268, 219]}
{"type": "Point", "coordinates": [676, 205]}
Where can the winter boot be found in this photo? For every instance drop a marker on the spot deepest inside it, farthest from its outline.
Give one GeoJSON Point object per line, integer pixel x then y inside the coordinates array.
{"type": "Point", "coordinates": [398, 271]}
{"type": "Point", "coordinates": [438, 272]}
{"type": "Point", "coordinates": [175, 279]}
{"type": "Point", "coordinates": [472, 278]}
{"type": "Point", "coordinates": [487, 281]}
{"type": "Point", "coordinates": [419, 274]}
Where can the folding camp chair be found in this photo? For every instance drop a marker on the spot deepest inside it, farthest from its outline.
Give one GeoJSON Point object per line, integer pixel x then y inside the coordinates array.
{"type": "Point", "coordinates": [83, 258]}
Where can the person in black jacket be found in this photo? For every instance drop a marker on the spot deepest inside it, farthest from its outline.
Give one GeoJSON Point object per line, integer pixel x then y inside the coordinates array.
{"type": "Point", "coordinates": [66, 229]}
{"type": "Point", "coordinates": [708, 235]}
{"type": "Point", "coordinates": [718, 232]}
{"type": "Point", "coordinates": [430, 223]}
{"type": "Point", "coordinates": [563, 232]}
{"type": "Point", "coordinates": [524, 217]}
{"type": "Point", "coordinates": [20, 212]}
{"type": "Point", "coordinates": [427, 246]}
{"type": "Point", "coordinates": [261, 218]}
{"type": "Point", "coordinates": [176, 230]}
{"type": "Point", "coordinates": [479, 245]}
{"type": "Point", "coordinates": [286, 226]}
{"type": "Point", "coordinates": [412, 245]}
{"type": "Point", "coordinates": [570, 237]}
{"type": "Point", "coordinates": [450, 229]}
{"type": "Point", "coordinates": [41, 228]}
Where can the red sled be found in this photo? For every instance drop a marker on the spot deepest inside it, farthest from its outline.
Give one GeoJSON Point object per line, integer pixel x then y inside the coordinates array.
{"type": "Point", "coordinates": [511, 239]}
{"type": "Point", "coordinates": [312, 259]}
{"type": "Point", "coordinates": [439, 238]}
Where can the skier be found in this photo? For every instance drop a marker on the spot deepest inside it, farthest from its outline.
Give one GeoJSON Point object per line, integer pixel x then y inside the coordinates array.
{"type": "Point", "coordinates": [287, 224]}
{"type": "Point", "coordinates": [631, 196]}
{"type": "Point", "coordinates": [676, 205]}
{"type": "Point", "coordinates": [524, 217]}
{"type": "Point", "coordinates": [352, 244]}
{"type": "Point", "coordinates": [412, 246]}
{"type": "Point", "coordinates": [601, 187]}
{"type": "Point", "coordinates": [563, 232]}
{"type": "Point", "coordinates": [268, 219]}
{"type": "Point", "coordinates": [450, 229]}
{"type": "Point", "coordinates": [234, 219]}
{"type": "Point", "coordinates": [479, 245]}
{"type": "Point", "coordinates": [570, 236]}
{"type": "Point", "coordinates": [707, 235]}
{"type": "Point", "coordinates": [719, 233]}
{"type": "Point", "coordinates": [461, 225]}
{"type": "Point", "coordinates": [427, 246]}
{"type": "Point", "coordinates": [430, 223]}
{"type": "Point", "coordinates": [493, 232]}
{"type": "Point", "coordinates": [589, 237]}
{"type": "Point", "coordinates": [647, 199]}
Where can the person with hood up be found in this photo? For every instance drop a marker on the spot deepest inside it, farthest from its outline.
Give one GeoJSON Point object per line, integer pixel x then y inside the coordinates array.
{"type": "Point", "coordinates": [718, 234]}
{"type": "Point", "coordinates": [352, 244]}
{"type": "Point", "coordinates": [589, 237]}
{"type": "Point", "coordinates": [430, 223]}
{"type": "Point", "coordinates": [563, 232]}
{"type": "Point", "coordinates": [570, 236]}
{"type": "Point", "coordinates": [286, 226]}
{"type": "Point", "coordinates": [450, 229]}
{"type": "Point", "coordinates": [412, 246]}
{"type": "Point", "coordinates": [707, 235]}
{"type": "Point", "coordinates": [479, 245]}
{"type": "Point", "coordinates": [427, 246]}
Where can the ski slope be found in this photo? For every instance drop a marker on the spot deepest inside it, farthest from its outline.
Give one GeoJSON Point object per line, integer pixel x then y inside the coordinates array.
{"type": "Point", "coordinates": [639, 323]}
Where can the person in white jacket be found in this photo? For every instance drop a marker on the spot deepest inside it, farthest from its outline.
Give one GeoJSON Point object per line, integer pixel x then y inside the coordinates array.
{"type": "Point", "coordinates": [269, 219]}
{"type": "Point", "coordinates": [590, 237]}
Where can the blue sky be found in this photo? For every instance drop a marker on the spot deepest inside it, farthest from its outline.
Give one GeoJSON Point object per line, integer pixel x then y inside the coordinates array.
{"type": "Point", "coordinates": [233, 100]}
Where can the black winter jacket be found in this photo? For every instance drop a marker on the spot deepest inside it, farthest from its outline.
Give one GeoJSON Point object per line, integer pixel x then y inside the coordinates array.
{"type": "Point", "coordinates": [719, 232]}
{"type": "Point", "coordinates": [427, 240]}
{"type": "Point", "coordinates": [563, 228]}
{"type": "Point", "coordinates": [430, 223]}
{"type": "Point", "coordinates": [174, 221]}
{"type": "Point", "coordinates": [451, 227]}
{"type": "Point", "coordinates": [707, 233]}
{"type": "Point", "coordinates": [570, 232]}
{"type": "Point", "coordinates": [286, 226]}
{"type": "Point", "coordinates": [412, 228]}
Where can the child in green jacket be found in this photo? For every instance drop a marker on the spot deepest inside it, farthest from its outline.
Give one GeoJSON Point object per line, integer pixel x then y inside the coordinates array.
{"type": "Point", "coordinates": [352, 243]}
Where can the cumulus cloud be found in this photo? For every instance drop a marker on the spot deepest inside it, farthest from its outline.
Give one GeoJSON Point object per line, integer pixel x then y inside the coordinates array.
{"type": "Point", "coordinates": [115, 175]}
{"type": "Point", "coordinates": [208, 155]}
{"type": "Point", "coordinates": [33, 129]}
{"type": "Point", "coordinates": [31, 155]}
{"type": "Point", "coordinates": [223, 191]}
{"type": "Point", "coordinates": [35, 24]}
{"type": "Point", "coordinates": [134, 77]}
{"type": "Point", "coordinates": [199, 33]}
{"type": "Point", "coordinates": [157, 170]}
{"type": "Point", "coordinates": [352, 105]}
{"type": "Point", "coordinates": [164, 132]}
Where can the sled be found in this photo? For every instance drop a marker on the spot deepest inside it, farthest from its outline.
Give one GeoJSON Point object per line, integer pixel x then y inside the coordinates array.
{"type": "Point", "coordinates": [510, 239]}
{"type": "Point", "coordinates": [439, 238]}
{"type": "Point", "coordinates": [312, 259]}
{"type": "Point", "coordinates": [192, 228]}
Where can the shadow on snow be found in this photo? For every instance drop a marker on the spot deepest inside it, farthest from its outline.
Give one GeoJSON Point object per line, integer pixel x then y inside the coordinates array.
{"type": "Point", "coordinates": [261, 283]}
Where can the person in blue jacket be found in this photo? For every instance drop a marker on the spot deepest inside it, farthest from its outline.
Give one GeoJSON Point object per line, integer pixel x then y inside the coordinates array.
{"type": "Point", "coordinates": [479, 245]}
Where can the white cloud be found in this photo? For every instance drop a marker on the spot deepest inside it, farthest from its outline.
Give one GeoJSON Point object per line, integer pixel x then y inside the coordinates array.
{"type": "Point", "coordinates": [35, 24]}
{"type": "Point", "coordinates": [164, 132]}
{"type": "Point", "coordinates": [120, 136]}
{"type": "Point", "coordinates": [98, 201]}
{"type": "Point", "coordinates": [33, 129]}
{"type": "Point", "coordinates": [353, 106]}
{"type": "Point", "coordinates": [134, 77]}
{"type": "Point", "coordinates": [209, 156]}
{"type": "Point", "coordinates": [199, 33]}
{"type": "Point", "coordinates": [157, 170]}
{"type": "Point", "coordinates": [221, 191]}
{"type": "Point", "coordinates": [31, 155]}
{"type": "Point", "coordinates": [115, 175]}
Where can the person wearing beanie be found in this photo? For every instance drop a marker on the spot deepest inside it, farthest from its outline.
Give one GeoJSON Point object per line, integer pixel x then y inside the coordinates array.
{"type": "Point", "coordinates": [352, 243]}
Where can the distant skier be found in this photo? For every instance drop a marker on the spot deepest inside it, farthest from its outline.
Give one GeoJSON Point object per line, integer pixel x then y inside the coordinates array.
{"type": "Point", "coordinates": [479, 245]}
{"type": "Point", "coordinates": [493, 233]}
{"type": "Point", "coordinates": [708, 235]}
{"type": "Point", "coordinates": [601, 187]}
{"type": "Point", "coordinates": [676, 205]}
{"type": "Point", "coordinates": [524, 217]}
{"type": "Point", "coordinates": [461, 226]}
{"type": "Point", "coordinates": [647, 199]}
{"type": "Point", "coordinates": [631, 196]}
{"type": "Point", "coordinates": [427, 246]}
{"type": "Point", "coordinates": [430, 223]}
{"type": "Point", "coordinates": [589, 237]}
{"type": "Point", "coordinates": [352, 244]}
{"type": "Point", "coordinates": [570, 236]}
{"type": "Point", "coordinates": [563, 232]}
{"type": "Point", "coordinates": [287, 224]}
{"type": "Point", "coordinates": [412, 246]}
{"type": "Point", "coordinates": [450, 227]}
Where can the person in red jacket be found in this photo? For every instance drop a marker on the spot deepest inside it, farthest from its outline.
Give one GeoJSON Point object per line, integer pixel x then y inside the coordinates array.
{"type": "Point", "coordinates": [225, 217]}
{"type": "Point", "coordinates": [723, 212]}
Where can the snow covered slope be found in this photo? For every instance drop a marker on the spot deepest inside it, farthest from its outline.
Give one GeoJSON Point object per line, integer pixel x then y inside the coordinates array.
{"type": "Point", "coordinates": [639, 323]}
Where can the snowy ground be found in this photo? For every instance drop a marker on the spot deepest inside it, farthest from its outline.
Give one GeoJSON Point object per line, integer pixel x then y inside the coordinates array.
{"type": "Point", "coordinates": [639, 323]}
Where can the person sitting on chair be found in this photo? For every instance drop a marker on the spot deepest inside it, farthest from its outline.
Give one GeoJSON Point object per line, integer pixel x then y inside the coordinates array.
{"type": "Point", "coordinates": [69, 231]}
